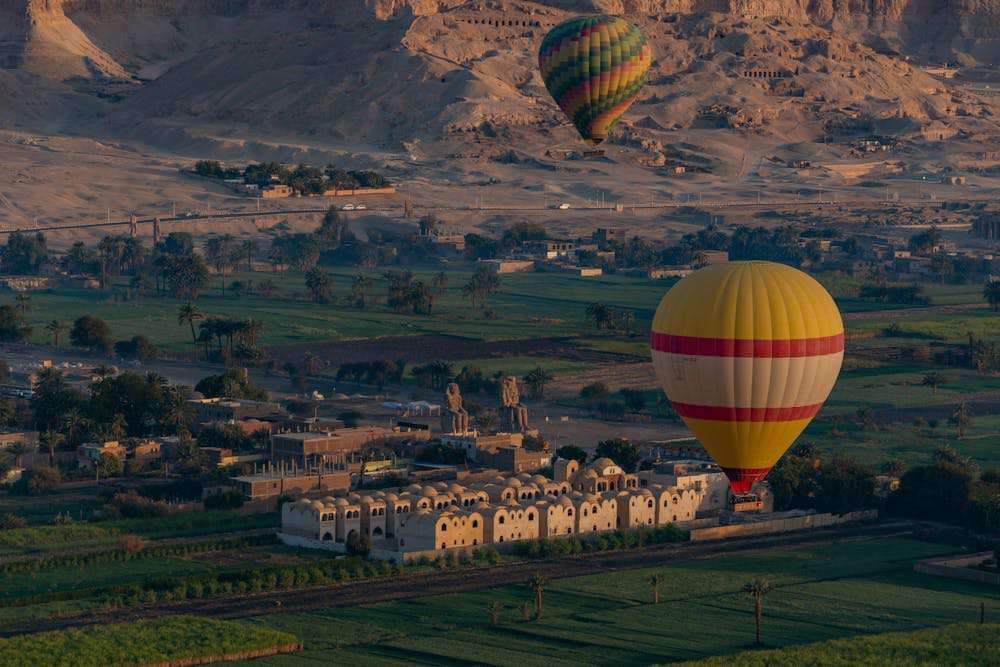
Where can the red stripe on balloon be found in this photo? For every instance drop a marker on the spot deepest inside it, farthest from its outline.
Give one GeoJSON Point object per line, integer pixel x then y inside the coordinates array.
{"type": "Point", "coordinates": [733, 414]}
{"type": "Point", "coordinates": [742, 479]}
{"type": "Point", "coordinates": [745, 347]}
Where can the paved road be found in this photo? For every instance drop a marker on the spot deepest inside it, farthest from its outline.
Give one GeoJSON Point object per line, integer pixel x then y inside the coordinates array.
{"type": "Point", "coordinates": [709, 204]}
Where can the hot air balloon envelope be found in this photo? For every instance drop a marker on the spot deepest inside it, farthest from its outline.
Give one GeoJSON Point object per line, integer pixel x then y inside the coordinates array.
{"type": "Point", "coordinates": [747, 352]}
{"type": "Point", "coordinates": [594, 67]}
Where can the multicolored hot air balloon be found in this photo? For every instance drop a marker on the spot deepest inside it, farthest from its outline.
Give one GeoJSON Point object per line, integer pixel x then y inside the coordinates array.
{"type": "Point", "coordinates": [594, 67]}
{"type": "Point", "coordinates": [747, 352]}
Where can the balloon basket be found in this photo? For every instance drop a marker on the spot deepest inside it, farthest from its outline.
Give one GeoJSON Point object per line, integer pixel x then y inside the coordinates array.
{"type": "Point", "coordinates": [593, 154]}
{"type": "Point", "coordinates": [746, 502]}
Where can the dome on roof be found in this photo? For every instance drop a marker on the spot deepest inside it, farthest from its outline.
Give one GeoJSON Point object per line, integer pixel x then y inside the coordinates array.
{"type": "Point", "coordinates": [341, 502]}
{"type": "Point", "coordinates": [539, 479]}
{"type": "Point", "coordinates": [496, 479]}
{"type": "Point", "coordinates": [441, 486]}
{"type": "Point", "coordinates": [509, 502]}
{"type": "Point", "coordinates": [565, 500]}
{"type": "Point", "coordinates": [428, 491]}
{"type": "Point", "coordinates": [328, 499]}
{"type": "Point", "coordinates": [589, 473]}
{"type": "Point", "coordinates": [589, 497]}
{"type": "Point", "coordinates": [414, 487]}
{"type": "Point", "coordinates": [482, 505]}
{"type": "Point", "coordinates": [391, 496]}
{"type": "Point", "coordinates": [524, 477]}
{"type": "Point", "coordinates": [456, 488]}
{"type": "Point", "coordinates": [354, 497]}
{"type": "Point", "coordinates": [645, 492]}
{"type": "Point", "coordinates": [513, 481]}
{"type": "Point", "coordinates": [602, 462]}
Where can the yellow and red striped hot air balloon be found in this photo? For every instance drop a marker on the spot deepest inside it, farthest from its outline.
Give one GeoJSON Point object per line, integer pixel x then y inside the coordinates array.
{"type": "Point", "coordinates": [747, 352]}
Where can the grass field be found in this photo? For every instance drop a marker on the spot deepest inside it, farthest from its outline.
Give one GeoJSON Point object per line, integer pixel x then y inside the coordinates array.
{"type": "Point", "coordinates": [527, 305]}
{"type": "Point", "coordinates": [821, 593]}
{"type": "Point", "coordinates": [143, 643]}
{"type": "Point", "coordinates": [962, 644]}
{"type": "Point", "coordinates": [898, 386]}
{"type": "Point", "coordinates": [908, 443]}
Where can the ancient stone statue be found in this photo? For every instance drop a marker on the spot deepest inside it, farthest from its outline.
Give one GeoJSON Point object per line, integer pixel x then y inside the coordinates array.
{"type": "Point", "coordinates": [513, 415]}
{"type": "Point", "coordinates": [454, 418]}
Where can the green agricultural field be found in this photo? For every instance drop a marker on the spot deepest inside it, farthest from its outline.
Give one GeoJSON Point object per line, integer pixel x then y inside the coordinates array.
{"type": "Point", "coordinates": [91, 576]}
{"type": "Point", "coordinates": [527, 305]}
{"type": "Point", "coordinates": [953, 327]}
{"type": "Point", "coordinates": [907, 442]}
{"type": "Point", "coordinates": [821, 593]}
{"type": "Point", "coordinates": [899, 386]}
{"type": "Point", "coordinates": [962, 644]}
{"type": "Point", "coordinates": [159, 641]}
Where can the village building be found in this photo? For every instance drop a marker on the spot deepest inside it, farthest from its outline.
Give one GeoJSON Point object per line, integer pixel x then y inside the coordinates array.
{"type": "Point", "coordinates": [424, 520]}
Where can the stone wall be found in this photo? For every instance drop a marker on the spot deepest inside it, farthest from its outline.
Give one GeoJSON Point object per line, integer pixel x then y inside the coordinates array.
{"type": "Point", "coordinates": [781, 525]}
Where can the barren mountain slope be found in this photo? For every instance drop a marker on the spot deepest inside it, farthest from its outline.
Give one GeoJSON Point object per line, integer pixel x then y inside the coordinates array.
{"type": "Point", "coordinates": [270, 78]}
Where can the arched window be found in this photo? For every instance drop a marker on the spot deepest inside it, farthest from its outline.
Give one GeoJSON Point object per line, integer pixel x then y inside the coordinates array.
{"type": "Point", "coordinates": [377, 531]}
{"type": "Point", "coordinates": [444, 527]}
{"type": "Point", "coordinates": [475, 523]}
{"type": "Point", "coordinates": [675, 517]}
{"type": "Point", "coordinates": [584, 511]}
{"type": "Point", "coordinates": [569, 512]}
{"type": "Point", "coordinates": [649, 504]}
{"type": "Point", "coordinates": [444, 545]}
{"type": "Point", "coordinates": [501, 520]}
{"type": "Point", "coordinates": [531, 516]}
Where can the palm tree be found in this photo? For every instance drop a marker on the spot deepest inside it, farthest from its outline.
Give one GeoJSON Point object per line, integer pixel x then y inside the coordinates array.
{"type": "Point", "coordinates": [188, 314]}
{"type": "Point", "coordinates": [599, 314]}
{"type": "Point", "coordinates": [310, 361]}
{"type": "Point", "coordinates": [23, 303]}
{"type": "Point", "coordinates": [758, 590]}
{"type": "Point", "coordinates": [628, 319]}
{"type": "Point", "coordinates": [438, 283]}
{"type": "Point", "coordinates": [18, 450]}
{"type": "Point", "coordinates": [486, 420]}
{"type": "Point", "coordinates": [55, 327]}
{"type": "Point", "coordinates": [933, 380]}
{"type": "Point", "coordinates": [249, 250]}
{"type": "Point", "coordinates": [495, 607]}
{"type": "Point", "coordinates": [654, 583]}
{"type": "Point", "coordinates": [992, 293]}
{"type": "Point", "coordinates": [51, 440]}
{"type": "Point", "coordinates": [536, 381]}
{"type": "Point", "coordinates": [537, 586]}
{"type": "Point", "coordinates": [961, 419]}
{"type": "Point", "coordinates": [360, 287]}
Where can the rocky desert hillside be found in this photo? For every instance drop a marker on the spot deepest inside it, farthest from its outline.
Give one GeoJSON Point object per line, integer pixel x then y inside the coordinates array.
{"type": "Point", "coordinates": [240, 78]}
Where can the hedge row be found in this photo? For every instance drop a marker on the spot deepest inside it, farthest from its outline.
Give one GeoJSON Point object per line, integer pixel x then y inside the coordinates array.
{"type": "Point", "coordinates": [118, 555]}
{"type": "Point", "coordinates": [618, 539]}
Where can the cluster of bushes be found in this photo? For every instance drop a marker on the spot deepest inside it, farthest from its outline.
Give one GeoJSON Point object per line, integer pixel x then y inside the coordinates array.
{"type": "Point", "coordinates": [130, 505]}
{"type": "Point", "coordinates": [479, 555]}
{"type": "Point", "coordinates": [176, 640]}
{"type": "Point", "coordinates": [123, 554]}
{"type": "Point", "coordinates": [619, 539]}
{"type": "Point", "coordinates": [950, 490]}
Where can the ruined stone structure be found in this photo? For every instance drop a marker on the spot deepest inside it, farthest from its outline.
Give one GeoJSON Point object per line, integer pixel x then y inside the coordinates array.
{"type": "Point", "coordinates": [513, 415]}
{"type": "Point", "coordinates": [987, 227]}
{"type": "Point", "coordinates": [454, 417]}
